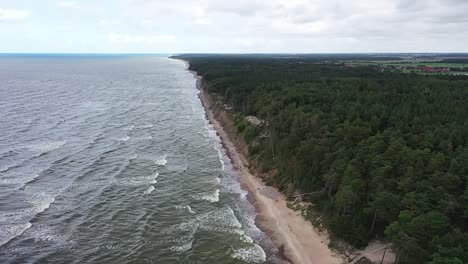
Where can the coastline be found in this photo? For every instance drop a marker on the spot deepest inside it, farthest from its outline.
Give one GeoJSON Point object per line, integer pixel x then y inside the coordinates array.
{"type": "Point", "coordinates": [297, 241]}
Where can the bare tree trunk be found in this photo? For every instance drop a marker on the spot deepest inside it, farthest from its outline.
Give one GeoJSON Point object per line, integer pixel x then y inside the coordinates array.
{"type": "Point", "coordinates": [397, 257]}
{"type": "Point", "coordinates": [331, 186]}
{"type": "Point", "coordinates": [373, 221]}
{"type": "Point", "coordinates": [383, 256]}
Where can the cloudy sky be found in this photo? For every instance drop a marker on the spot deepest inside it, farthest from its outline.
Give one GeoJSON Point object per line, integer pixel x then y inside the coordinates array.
{"type": "Point", "coordinates": [237, 26]}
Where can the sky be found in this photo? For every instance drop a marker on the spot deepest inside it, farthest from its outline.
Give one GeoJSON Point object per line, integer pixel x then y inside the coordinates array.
{"type": "Point", "coordinates": [233, 26]}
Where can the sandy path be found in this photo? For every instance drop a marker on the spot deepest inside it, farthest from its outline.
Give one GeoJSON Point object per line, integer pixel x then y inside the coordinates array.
{"type": "Point", "coordinates": [295, 237]}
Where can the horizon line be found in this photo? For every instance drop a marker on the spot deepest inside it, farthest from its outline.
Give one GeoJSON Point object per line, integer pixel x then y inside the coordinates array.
{"type": "Point", "coordinates": [218, 53]}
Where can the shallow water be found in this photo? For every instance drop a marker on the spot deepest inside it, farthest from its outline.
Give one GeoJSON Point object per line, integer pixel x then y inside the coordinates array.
{"type": "Point", "coordinates": [110, 159]}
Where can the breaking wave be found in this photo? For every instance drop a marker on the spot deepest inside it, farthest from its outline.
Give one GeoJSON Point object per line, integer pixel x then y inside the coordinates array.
{"type": "Point", "coordinates": [250, 254]}
{"type": "Point", "coordinates": [161, 161]}
{"type": "Point", "coordinates": [211, 197]}
{"type": "Point", "coordinates": [185, 207]}
{"type": "Point", "coordinates": [150, 190]}
{"type": "Point", "coordinates": [124, 138]}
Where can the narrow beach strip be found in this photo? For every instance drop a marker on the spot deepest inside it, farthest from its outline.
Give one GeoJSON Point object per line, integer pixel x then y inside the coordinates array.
{"type": "Point", "coordinates": [298, 242]}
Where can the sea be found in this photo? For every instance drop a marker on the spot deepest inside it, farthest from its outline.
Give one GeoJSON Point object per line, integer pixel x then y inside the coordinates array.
{"type": "Point", "coordinates": [110, 159]}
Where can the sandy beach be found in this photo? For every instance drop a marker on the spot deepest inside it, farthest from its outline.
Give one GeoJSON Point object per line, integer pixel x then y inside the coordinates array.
{"type": "Point", "coordinates": [296, 239]}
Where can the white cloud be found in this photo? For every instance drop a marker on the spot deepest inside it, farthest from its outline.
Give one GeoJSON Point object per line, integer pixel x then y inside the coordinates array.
{"type": "Point", "coordinates": [68, 4]}
{"type": "Point", "coordinates": [140, 39]}
{"type": "Point", "coordinates": [108, 22]}
{"type": "Point", "coordinates": [256, 25]}
{"type": "Point", "coordinates": [148, 23]}
{"type": "Point", "coordinates": [200, 17]}
{"type": "Point", "coordinates": [13, 15]}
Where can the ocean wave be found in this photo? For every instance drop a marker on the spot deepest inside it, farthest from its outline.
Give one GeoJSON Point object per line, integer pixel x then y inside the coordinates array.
{"type": "Point", "coordinates": [221, 220]}
{"type": "Point", "coordinates": [149, 190]}
{"type": "Point", "coordinates": [11, 220]}
{"type": "Point", "coordinates": [12, 231]}
{"type": "Point", "coordinates": [182, 248]}
{"type": "Point", "coordinates": [213, 135]}
{"type": "Point", "coordinates": [44, 233]}
{"type": "Point", "coordinates": [147, 137]}
{"type": "Point", "coordinates": [224, 218]}
{"type": "Point", "coordinates": [5, 168]}
{"type": "Point", "coordinates": [18, 180]}
{"type": "Point", "coordinates": [246, 238]}
{"type": "Point", "coordinates": [94, 106]}
{"type": "Point", "coordinates": [155, 176]}
{"type": "Point", "coordinates": [211, 197]}
{"type": "Point", "coordinates": [45, 147]}
{"type": "Point", "coordinates": [132, 157]}
{"type": "Point", "coordinates": [85, 187]}
{"type": "Point", "coordinates": [137, 180]}
{"type": "Point", "coordinates": [185, 207]}
{"type": "Point", "coordinates": [111, 247]}
{"type": "Point", "coordinates": [190, 227]}
{"type": "Point", "coordinates": [123, 138]}
{"type": "Point", "coordinates": [217, 147]}
{"type": "Point", "coordinates": [129, 128]}
{"type": "Point", "coordinates": [251, 254]}
{"type": "Point", "coordinates": [145, 126]}
{"type": "Point", "coordinates": [161, 161]}
{"type": "Point", "coordinates": [42, 203]}
{"type": "Point", "coordinates": [177, 167]}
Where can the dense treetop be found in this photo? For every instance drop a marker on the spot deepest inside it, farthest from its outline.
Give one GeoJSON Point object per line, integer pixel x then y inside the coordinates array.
{"type": "Point", "coordinates": [381, 153]}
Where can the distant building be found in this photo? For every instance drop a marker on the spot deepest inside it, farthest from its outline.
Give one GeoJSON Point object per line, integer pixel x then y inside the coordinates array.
{"type": "Point", "coordinates": [432, 69]}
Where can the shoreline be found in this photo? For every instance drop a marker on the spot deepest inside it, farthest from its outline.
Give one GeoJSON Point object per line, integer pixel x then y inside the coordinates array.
{"type": "Point", "coordinates": [296, 240]}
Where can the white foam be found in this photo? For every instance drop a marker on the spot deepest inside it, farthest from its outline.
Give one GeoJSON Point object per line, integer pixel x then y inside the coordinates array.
{"type": "Point", "coordinates": [111, 247]}
{"type": "Point", "coordinates": [216, 144]}
{"type": "Point", "coordinates": [85, 186]}
{"type": "Point", "coordinates": [246, 238]}
{"type": "Point", "coordinates": [145, 126]}
{"type": "Point", "coordinates": [14, 223]}
{"type": "Point", "coordinates": [136, 181]}
{"type": "Point", "coordinates": [213, 135]}
{"type": "Point", "coordinates": [182, 248]}
{"type": "Point", "coordinates": [47, 146]}
{"type": "Point", "coordinates": [185, 207]}
{"type": "Point", "coordinates": [189, 209]}
{"type": "Point", "coordinates": [13, 231]}
{"type": "Point", "coordinates": [190, 226]}
{"type": "Point", "coordinates": [155, 176]}
{"type": "Point", "coordinates": [43, 233]}
{"type": "Point", "coordinates": [150, 190]}
{"type": "Point", "coordinates": [211, 197]}
{"type": "Point", "coordinates": [124, 138]}
{"type": "Point", "coordinates": [42, 205]}
{"type": "Point", "coordinates": [130, 128]}
{"type": "Point", "coordinates": [220, 156]}
{"type": "Point", "coordinates": [251, 254]}
{"type": "Point", "coordinates": [222, 220]}
{"type": "Point", "coordinates": [161, 161]}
